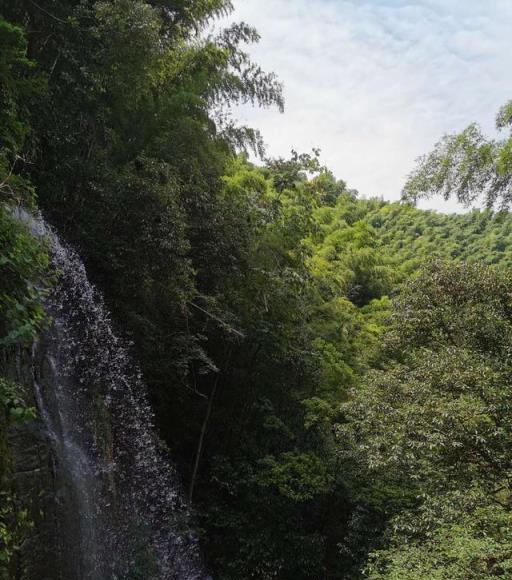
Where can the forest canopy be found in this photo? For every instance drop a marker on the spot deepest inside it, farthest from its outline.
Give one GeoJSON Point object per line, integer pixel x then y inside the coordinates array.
{"type": "Point", "coordinates": [330, 374]}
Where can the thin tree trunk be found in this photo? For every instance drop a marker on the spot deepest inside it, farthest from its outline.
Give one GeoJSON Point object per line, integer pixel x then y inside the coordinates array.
{"type": "Point", "coordinates": [204, 428]}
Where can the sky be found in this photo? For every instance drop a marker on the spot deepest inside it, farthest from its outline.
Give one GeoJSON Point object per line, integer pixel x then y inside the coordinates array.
{"type": "Point", "coordinates": [375, 83]}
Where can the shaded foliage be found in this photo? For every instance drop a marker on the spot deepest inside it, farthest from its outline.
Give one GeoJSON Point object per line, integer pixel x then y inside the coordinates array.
{"type": "Point", "coordinates": [266, 304]}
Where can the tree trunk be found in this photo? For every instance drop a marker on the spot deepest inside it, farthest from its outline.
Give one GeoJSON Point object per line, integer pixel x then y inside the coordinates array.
{"type": "Point", "coordinates": [204, 428]}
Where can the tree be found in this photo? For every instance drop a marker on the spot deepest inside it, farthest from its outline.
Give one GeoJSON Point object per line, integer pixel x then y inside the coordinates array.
{"type": "Point", "coordinates": [432, 429]}
{"type": "Point", "coordinates": [15, 92]}
{"type": "Point", "coordinates": [468, 166]}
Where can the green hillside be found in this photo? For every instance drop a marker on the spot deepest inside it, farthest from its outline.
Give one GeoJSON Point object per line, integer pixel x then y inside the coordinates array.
{"type": "Point", "coordinates": [330, 375]}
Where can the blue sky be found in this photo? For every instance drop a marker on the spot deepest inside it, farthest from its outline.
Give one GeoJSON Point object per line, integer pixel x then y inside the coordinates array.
{"type": "Point", "coordinates": [375, 83]}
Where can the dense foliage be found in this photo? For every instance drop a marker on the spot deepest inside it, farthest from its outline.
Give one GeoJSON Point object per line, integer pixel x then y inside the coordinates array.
{"type": "Point", "coordinates": [23, 264]}
{"type": "Point", "coordinates": [336, 401]}
{"type": "Point", "coordinates": [434, 425]}
{"type": "Point", "coordinates": [23, 273]}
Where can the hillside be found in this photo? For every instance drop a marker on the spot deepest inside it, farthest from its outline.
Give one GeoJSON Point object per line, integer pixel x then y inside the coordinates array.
{"type": "Point", "coordinates": [225, 368]}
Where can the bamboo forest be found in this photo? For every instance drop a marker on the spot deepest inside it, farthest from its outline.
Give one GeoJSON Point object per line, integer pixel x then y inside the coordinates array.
{"type": "Point", "coordinates": [221, 364]}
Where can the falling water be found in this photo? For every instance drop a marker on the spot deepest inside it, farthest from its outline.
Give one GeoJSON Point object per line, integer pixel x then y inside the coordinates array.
{"type": "Point", "coordinates": [129, 520]}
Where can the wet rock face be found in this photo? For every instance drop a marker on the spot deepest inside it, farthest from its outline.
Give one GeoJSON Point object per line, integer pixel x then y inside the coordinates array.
{"type": "Point", "coordinates": [47, 480]}
{"type": "Point", "coordinates": [105, 502]}
{"type": "Point", "coordinates": [38, 488]}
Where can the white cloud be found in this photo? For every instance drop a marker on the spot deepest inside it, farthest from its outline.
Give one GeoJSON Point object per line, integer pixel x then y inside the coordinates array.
{"type": "Point", "coordinates": [375, 83]}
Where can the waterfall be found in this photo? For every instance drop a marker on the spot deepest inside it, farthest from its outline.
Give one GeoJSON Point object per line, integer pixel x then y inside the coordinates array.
{"type": "Point", "coordinates": [127, 516]}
